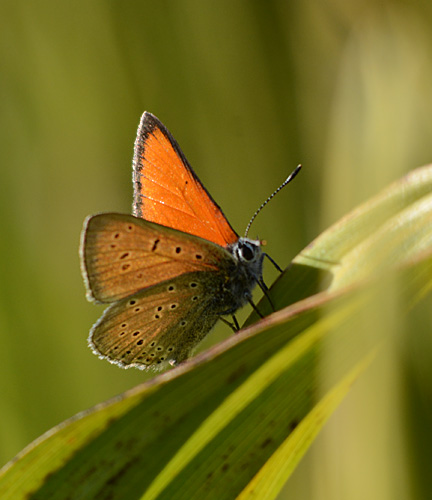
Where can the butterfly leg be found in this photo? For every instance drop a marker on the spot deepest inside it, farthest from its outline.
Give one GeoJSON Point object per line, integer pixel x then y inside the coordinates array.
{"type": "Point", "coordinates": [255, 308]}
{"type": "Point", "coordinates": [237, 326]}
{"type": "Point", "coordinates": [234, 325]}
{"type": "Point", "coordinates": [273, 262]}
{"type": "Point", "coordinates": [262, 285]}
{"type": "Point", "coordinates": [264, 288]}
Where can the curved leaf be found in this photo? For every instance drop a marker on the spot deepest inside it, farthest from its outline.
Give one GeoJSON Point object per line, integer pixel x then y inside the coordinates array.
{"type": "Point", "coordinates": [208, 428]}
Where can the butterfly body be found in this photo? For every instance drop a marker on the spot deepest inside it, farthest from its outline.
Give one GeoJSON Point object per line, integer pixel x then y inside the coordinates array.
{"type": "Point", "coordinates": [170, 270]}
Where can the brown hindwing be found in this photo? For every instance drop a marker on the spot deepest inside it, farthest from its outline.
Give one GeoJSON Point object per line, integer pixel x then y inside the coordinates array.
{"type": "Point", "coordinates": [162, 324]}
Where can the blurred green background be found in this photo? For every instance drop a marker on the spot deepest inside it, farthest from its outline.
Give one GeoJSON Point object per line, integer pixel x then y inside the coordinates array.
{"type": "Point", "coordinates": [249, 89]}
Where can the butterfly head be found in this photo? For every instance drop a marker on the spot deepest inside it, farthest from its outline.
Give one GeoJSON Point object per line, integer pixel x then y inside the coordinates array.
{"type": "Point", "coordinates": [249, 254]}
{"type": "Point", "coordinates": [247, 250]}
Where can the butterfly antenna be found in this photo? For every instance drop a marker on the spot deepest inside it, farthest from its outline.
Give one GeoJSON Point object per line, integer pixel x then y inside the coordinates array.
{"type": "Point", "coordinates": [287, 180]}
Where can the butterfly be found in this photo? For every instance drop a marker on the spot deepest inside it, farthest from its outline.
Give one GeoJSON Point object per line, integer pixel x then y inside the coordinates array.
{"type": "Point", "coordinates": [171, 269]}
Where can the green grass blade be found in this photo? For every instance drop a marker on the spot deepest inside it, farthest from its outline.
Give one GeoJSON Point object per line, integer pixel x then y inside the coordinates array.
{"type": "Point", "coordinates": [273, 475]}
{"type": "Point", "coordinates": [208, 427]}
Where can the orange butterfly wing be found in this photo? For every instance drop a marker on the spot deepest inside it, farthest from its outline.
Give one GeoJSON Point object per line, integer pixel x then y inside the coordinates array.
{"type": "Point", "coordinates": [167, 190]}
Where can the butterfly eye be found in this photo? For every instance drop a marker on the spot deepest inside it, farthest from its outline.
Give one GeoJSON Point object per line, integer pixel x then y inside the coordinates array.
{"type": "Point", "coordinates": [246, 252]}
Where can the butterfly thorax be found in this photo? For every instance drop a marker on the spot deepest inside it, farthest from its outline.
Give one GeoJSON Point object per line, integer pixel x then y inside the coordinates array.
{"type": "Point", "coordinates": [246, 273]}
